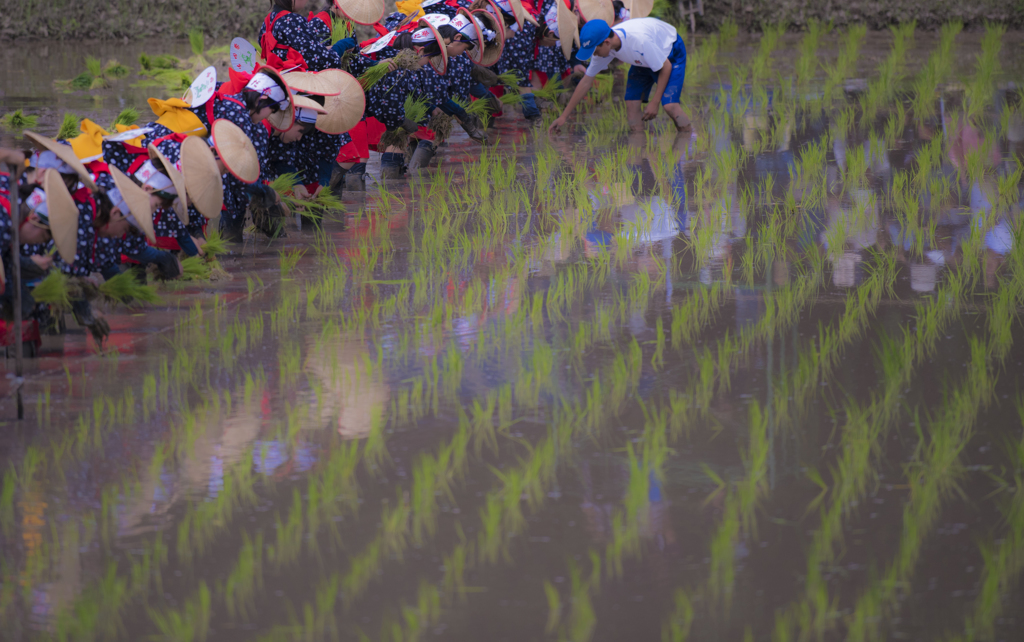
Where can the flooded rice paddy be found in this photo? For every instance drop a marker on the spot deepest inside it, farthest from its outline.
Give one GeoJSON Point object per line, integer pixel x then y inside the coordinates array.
{"type": "Point", "coordinates": [756, 383]}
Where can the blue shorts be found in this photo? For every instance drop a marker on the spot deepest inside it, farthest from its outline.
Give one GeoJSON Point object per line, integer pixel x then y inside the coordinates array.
{"type": "Point", "coordinates": [641, 79]}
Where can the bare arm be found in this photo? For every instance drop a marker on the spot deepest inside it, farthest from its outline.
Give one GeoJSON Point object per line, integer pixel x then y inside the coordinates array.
{"type": "Point", "coordinates": [652, 106]}
{"type": "Point", "coordinates": [577, 96]}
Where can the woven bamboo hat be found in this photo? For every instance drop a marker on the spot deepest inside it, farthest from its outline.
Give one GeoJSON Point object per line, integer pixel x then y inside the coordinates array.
{"type": "Point", "coordinates": [363, 12]}
{"type": "Point", "coordinates": [202, 177]}
{"type": "Point", "coordinates": [318, 83]}
{"type": "Point", "coordinates": [440, 61]}
{"type": "Point", "coordinates": [490, 52]}
{"type": "Point", "coordinates": [568, 29]}
{"type": "Point", "coordinates": [597, 10]}
{"type": "Point", "coordinates": [63, 214]}
{"type": "Point", "coordinates": [180, 203]}
{"type": "Point", "coordinates": [521, 14]}
{"type": "Point", "coordinates": [284, 119]}
{"type": "Point", "coordinates": [345, 108]}
{"type": "Point", "coordinates": [140, 211]}
{"type": "Point", "coordinates": [640, 8]}
{"type": "Point", "coordinates": [236, 151]}
{"type": "Point", "coordinates": [66, 154]}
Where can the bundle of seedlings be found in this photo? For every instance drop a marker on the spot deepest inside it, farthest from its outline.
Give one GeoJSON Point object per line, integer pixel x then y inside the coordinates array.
{"type": "Point", "coordinates": [128, 116]}
{"type": "Point", "coordinates": [16, 121]}
{"type": "Point", "coordinates": [70, 127]}
{"type": "Point", "coordinates": [441, 124]}
{"type": "Point", "coordinates": [127, 288]}
{"type": "Point", "coordinates": [406, 59]}
{"type": "Point", "coordinates": [313, 207]}
{"type": "Point", "coordinates": [151, 65]}
{"type": "Point", "coordinates": [415, 111]}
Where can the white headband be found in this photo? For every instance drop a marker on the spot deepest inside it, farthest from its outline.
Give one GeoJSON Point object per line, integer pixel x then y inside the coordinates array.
{"type": "Point", "coordinates": [267, 86]}
{"type": "Point", "coordinates": [469, 28]}
{"type": "Point", "coordinates": [551, 18]}
{"type": "Point", "coordinates": [151, 177]}
{"type": "Point", "coordinates": [423, 36]}
{"type": "Point", "coordinates": [116, 199]}
{"type": "Point", "coordinates": [36, 201]}
{"type": "Point", "coordinates": [304, 115]}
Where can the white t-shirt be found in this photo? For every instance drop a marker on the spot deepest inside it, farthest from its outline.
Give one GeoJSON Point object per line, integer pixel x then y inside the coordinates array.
{"type": "Point", "coordinates": [646, 42]}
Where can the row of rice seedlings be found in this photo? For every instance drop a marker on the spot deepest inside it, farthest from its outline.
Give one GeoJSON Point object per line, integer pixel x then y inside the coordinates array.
{"type": "Point", "coordinates": [807, 64]}
{"type": "Point", "coordinates": [882, 88]}
{"type": "Point", "coordinates": [1003, 561]}
{"type": "Point", "coordinates": [760, 65]}
{"type": "Point", "coordinates": [978, 93]}
{"type": "Point", "coordinates": [935, 71]}
{"type": "Point", "coordinates": [864, 429]}
{"type": "Point", "coordinates": [846, 62]}
{"type": "Point", "coordinates": [95, 76]}
{"type": "Point", "coordinates": [189, 624]}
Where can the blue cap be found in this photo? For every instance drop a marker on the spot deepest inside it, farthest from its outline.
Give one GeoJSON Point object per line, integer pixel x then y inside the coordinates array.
{"type": "Point", "coordinates": [591, 35]}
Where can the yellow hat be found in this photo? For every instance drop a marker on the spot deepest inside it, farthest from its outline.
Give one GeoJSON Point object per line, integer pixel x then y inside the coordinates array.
{"type": "Point", "coordinates": [175, 114]}
{"type": "Point", "coordinates": [88, 145]}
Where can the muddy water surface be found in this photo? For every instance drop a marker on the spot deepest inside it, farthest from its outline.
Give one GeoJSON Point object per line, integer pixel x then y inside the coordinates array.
{"type": "Point", "coordinates": [757, 382]}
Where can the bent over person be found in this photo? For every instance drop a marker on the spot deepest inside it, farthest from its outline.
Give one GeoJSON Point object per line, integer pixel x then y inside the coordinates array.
{"type": "Point", "coordinates": [657, 57]}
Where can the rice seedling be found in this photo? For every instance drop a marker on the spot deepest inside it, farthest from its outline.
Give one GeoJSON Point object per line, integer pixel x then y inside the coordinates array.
{"type": "Point", "coordinates": [126, 288]}
{"type": "Point", "coordinates": [18, 120]}
{"type": "Point", "coordinates": [115, 70]}
{"type": "Point", "coordinates": [70, 127]}
{"type": "Point", "coordinates": [53, 291]}
{"type": "Point", "coordinates": [190, 624]}
{"type": "Point", "coordinates": [195, 268]}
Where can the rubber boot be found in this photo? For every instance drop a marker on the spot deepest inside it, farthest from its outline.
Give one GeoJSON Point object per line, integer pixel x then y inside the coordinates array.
{"type": "Point", "coordinates": [391, 165]}
{"type": "Point", "coordinates": [474, 127]}
{"type": "Point", "coordinates": [530, 109]}
{"type": "Point", "coordinates": [421, 157]}
{"type": "Point", "coordinates": [355, 178]}
{"type": "Point", "coordinates": [231, 229]}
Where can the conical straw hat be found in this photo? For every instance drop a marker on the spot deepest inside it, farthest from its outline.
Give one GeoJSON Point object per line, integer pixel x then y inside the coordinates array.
{"type": "Point", "coordinates": [181, 203]}
{"type": "Point", "coordinates": [312, 82]}
{"type": "Point", "coordinates": [521, 13]}
{"type": "Point", "coordinates": [568, 29]}
{"type": "Point", "coordinates": [236, 151]}
{"type": "Point", "coordinates": [478, 50]}
{"type": "Point", "coordinates": [640, 8]}
{"type": "Point", "coordinates": [490, 53]}
{"type": "Point", "coordinates": [439, 62]}
{"type": "Point", "coordinates": [66, 154]}
{"type": "Point", "coordinates": [278, 119]}
{"type": "Point", "coordinates": [63, 216]}
{"type": "Point", "coordinates": [597, 10]}
{"type": "Point", "coordinates": [363, 12]}
{"type": "Point", "coordinates": [285, 118]}
{"type": "Point", "coordinates": [345, 108]}
{"type": "Point", "coordinates": [139, 207]}
{"type": "Point", "coordinates": [202, 176]}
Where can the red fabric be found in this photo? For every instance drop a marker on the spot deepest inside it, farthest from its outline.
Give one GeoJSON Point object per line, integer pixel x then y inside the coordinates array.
{"type": "Point", "coordinates": [324, 17]}
{"type": "Point", "coordinates": [97, 167]}
{"type": "Point", "coordinates": [219, 96]}
{"type": "Point", "coordinates": [424, 133]}
{"type": "Point", "coordinates": [29, 332]}
{"type": "Point", "coordinates": [294, 60]}
{"type": "Point", "coordinates": [368, 129]}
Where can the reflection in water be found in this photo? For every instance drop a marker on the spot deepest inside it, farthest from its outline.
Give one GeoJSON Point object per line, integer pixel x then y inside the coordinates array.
{"type": "Point", "coordinates": [727, 383]}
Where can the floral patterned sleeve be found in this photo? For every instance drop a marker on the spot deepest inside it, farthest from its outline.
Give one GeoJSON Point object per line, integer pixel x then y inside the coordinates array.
{"type": "Point", "coordinates": [294, 30]}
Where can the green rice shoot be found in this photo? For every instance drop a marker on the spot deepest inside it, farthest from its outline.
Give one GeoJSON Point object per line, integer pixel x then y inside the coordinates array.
{"type": "Point", "coordinates": [215, 243]}
{"type": "Point", "coordinates": [70, 127]}
{"type": "Point", "coordinates": [415, 108]}
{"type": "Point", "coordinates": [340, 30]}
{"type": "Point", "coordinates": [116, 70]}
{"type": "Point", "coordinates": [125, 288]}
{"type": "Point", "coordinates": [195, 268]}
{"type": "Point", "coordinates": [53, 291]}
{"type": "Point", "coordinates": [128, 116]}
{"type": "Point", "coordinates": [152, 64]}
{"type": "Point", "coordinates": [17, 120]}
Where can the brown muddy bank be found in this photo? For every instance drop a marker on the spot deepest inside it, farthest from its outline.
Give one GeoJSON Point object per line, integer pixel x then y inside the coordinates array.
{"type": "Point", "coordinates": [225, 19]}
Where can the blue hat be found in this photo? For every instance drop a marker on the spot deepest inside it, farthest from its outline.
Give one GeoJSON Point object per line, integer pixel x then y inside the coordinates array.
{"type": "Point", "coordinates": [591, 35]}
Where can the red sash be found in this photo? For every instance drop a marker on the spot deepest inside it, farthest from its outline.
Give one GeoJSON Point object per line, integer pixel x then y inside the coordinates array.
{"type": "Point", "coordinates": [294, 59]}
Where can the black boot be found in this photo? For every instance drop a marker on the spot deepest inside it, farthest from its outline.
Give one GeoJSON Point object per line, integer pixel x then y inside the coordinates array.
{"type": "Point", "coordinates": [421, 157]}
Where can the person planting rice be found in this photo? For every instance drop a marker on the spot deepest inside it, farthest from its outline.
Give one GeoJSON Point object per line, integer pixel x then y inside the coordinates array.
{"type": "Point", "coordinates": [657, 57]}
{"type": "Point", "coordinates": [519, 54]}
{"type": "Point", "coordinates": [289, 41]}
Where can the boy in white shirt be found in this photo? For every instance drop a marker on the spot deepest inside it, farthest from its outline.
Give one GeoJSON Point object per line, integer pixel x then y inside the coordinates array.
{"type": "Point", "coordinates": [657, 57]}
